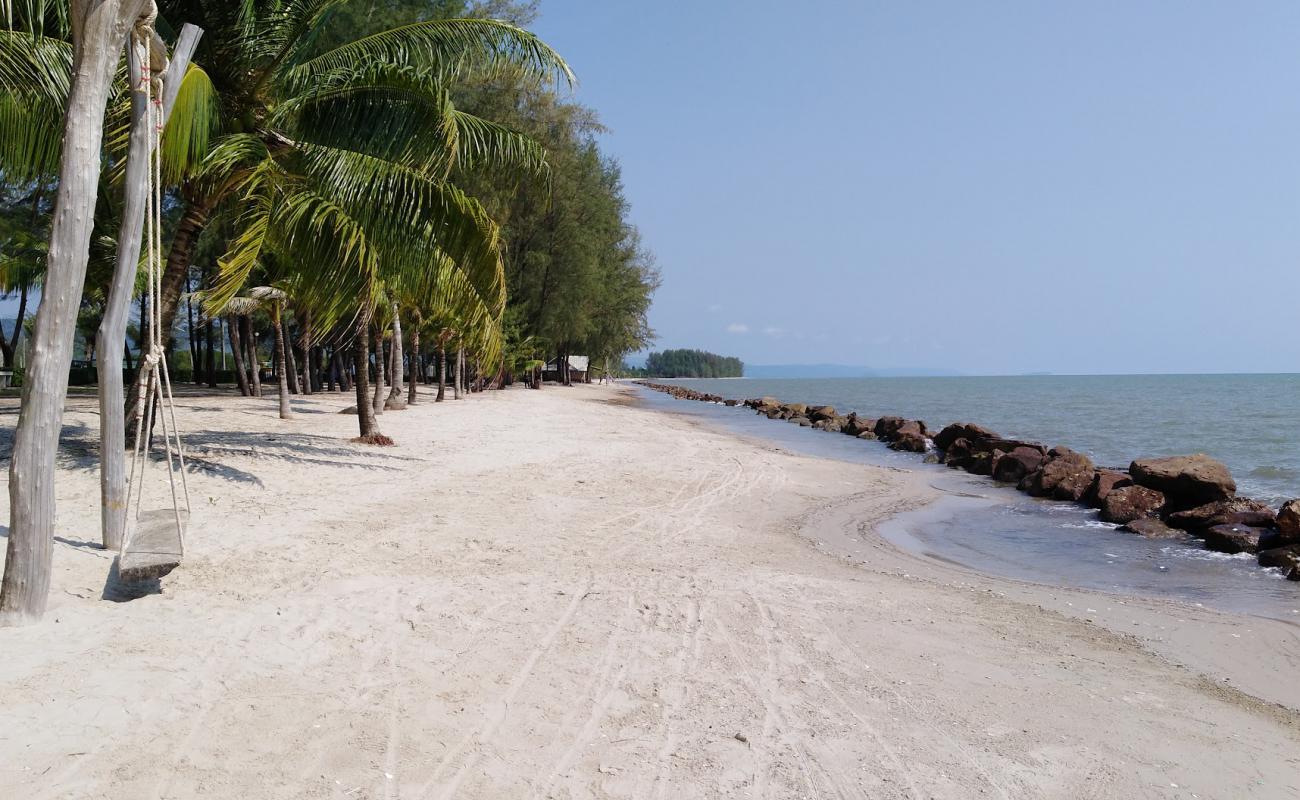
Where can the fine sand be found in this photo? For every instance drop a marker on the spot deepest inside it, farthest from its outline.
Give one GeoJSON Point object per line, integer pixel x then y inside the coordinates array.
{"type": "Point", "coordinates": [560, 594]}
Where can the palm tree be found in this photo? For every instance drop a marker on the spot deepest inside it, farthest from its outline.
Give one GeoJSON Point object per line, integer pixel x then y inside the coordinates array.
{"type": "Point", "coordinates": [353, 142]}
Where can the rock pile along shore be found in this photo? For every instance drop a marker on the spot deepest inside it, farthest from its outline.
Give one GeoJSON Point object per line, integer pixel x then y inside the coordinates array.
{"type": "Point", "coordinates": [1191, 498]}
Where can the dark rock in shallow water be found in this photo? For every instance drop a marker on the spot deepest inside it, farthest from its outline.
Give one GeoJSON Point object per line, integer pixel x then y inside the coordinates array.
{"type": "Point", "coordinates": [1186, 481]}
{"type": "Point", "coordinates": [1153, 529]}
{"type": "Point", "coordinates": [1232, 538]}
{"type": "Point", "coordinates": [818, 413]}
{"type": "Point", "coordinates": [1066, 475]}
{"type": "Point", "coordinates": [886, 427]}
{"type": "Point", "coordinates": [909, 441]}
{"type": "Point", "coordinates": [802, 422]}
{"type": "Point", "coordinates": [1288, 520]}
{"type": "Point", "coordinates": [867, 435]}
{"type": "Point", "coordinates": [1286, 558]}
{"type": "Point", "coordinates": [795, 409]}
{"type": "Point", "coordinates": [1014, 466]}
{"type": "Point", "coordinates": [1237, 511]}
{"type": "Point", "coordinates": [957, 454]}
{"type": "Point", "coordinates": [831, 425]}
{"type": "Point", "coordinates": [855, 425]}
{"type": "Point", "coordinates": [730, 402]}
{"type": "Point", "coordinates": [1130, 503]}
{"type": "Point", "coordinates": [961, 430]}
{"type": "Point", "coordinates": [1105, 481]}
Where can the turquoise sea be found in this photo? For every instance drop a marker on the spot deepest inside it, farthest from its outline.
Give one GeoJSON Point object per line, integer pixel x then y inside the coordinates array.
{"type": "Point", "coordinates": [1250, 422]}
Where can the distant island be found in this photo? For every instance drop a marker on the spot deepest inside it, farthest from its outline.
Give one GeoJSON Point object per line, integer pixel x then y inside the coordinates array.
{"type": "Point", "coordinates": [692, 364]}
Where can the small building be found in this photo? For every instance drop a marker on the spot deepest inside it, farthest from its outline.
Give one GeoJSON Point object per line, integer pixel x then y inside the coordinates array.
{"type": "Point", "coordinates": [578, 366]}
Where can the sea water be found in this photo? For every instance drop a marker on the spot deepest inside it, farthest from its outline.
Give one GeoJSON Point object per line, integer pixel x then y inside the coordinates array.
{"type": "Point", "coordinates": [1250, 422]}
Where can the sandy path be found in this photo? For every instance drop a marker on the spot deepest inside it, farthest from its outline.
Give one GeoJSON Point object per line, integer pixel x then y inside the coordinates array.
{"type": "Point", "coordinates": [557, 595]}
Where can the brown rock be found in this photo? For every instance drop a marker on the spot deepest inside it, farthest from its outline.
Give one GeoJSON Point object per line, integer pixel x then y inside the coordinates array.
{"type": "Point", "coordinates": [1130, 503]}
{"type": "Point", "coordinates": [909, 441]}
{"type": "Point", "coordinates": [802, 422]}
{"type": "Point", "coordinates": [1153, 529]}
{"type": "Point", "coordinates": [886, 427]}
{"type": "Point", "coordinates": [1105, 481]}
{"type": "Point", "coordinates": [795, 409]}
{"type": "Point", "coordinates": [1237, 511]}
{"type": "Point", "coordinates": [1288, 519]}
{"type": "Point", "coordinates": [1185, 480]}
{"type": "Point", "coordinates": [1285, 558]}
{"type": "Point", "coordinates": [828, 424]}
{"type": "Point", "coordinates": [1232, 538]}
{"type": "Point", "coordinates": [1066, 475]}
{"type": "Point", "coordinates": [957, 454]}
{"type": "Point", "coordinates": [867, 435]}
{"type": "Point", "coordinates": [821, 412]}
{"type": "Point", "coordinates": [1014, 466]}
{"type": "Point", "coordinates": [961, 430]}
{"type": "Point", "coordinates": [855, 425]}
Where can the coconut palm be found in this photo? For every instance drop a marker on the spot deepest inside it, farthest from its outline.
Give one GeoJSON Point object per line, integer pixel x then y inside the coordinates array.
{"type": "Point", "coordinates": [353, 143]}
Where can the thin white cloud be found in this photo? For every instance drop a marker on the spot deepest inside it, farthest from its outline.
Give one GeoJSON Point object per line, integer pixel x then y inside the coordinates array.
{"type": "Point", "coordinates": [737, 327]}
{"type": "Point", "coordinates": [774, 332]}
{"type": "Point", "coordinates": [715, 308]}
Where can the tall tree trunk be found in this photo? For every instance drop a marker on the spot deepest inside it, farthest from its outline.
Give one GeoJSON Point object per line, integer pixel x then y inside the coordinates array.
{"type": "Point", "coordinates": [304, 342]}
{"type": "Point", "coordinates": [98, 28]}
{"type": "Point", "coordinates": [361, 363]}
{"type": "Point", "coordinates": [378, 402]}
{"type": "Point", "coordinates": [281, 367]}
{"type": "Point", "coordinates": [415, 362]}
{"type": "Point", "coordinates": [292, 363]}
{"type": "Point", "coordinates": [459, 383]}
{"type": "Point", "coordinates": [254, 362]}
{"type": "Point", "coordinates": [210, 365]}
{"type": "Point", "coordinates": [196, 355]}
{"type": "Point", "coordinates": [442, 373]}
{"type": "Point", "coordinates": [237, 353]}
{"type": "Point", "coordinates": [398, 360]}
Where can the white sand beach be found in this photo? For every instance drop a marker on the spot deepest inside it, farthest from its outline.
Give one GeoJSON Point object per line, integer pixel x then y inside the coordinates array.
{"type": "Point", "coordinates": [560, 594]}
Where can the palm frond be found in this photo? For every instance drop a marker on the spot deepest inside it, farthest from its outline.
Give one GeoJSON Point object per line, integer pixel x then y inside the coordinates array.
{"type": "Point", "coordinates": [193, 122]}
{"type": "Point", "coordinates": [450, 48]}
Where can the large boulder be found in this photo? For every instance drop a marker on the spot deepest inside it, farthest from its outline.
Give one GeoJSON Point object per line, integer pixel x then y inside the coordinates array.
{"type": "Point", "coordinates": [1186, 481]}
{"type": "Point", "coordinates": [1153, 529]}
{"type": "Point", "coordinates": [802, 422]}
{"type": "Point", "coordinates": [886, 427]}
{"type": "Point", "coordinates": [829, 424]}
{"type": "Point", "coordinates": [957, 454]}
{"type": "Point", "coordinates": [1065, 475]}
{"type": "Point", "coordinates": [817, 413]}
{"type": "Point", "coordinates": [795, 409]}
{"type": "Point", "coordinates": [1130, 503]}
{"type": "Point", "coordinates": [961, 430]}
{"type": "Point", "coordinates": [1232, 538]}
{"type": "Point", "coordinates": [910, 442]}
{"type": "Point", "coordinates": [1288, 520]}
{"type": "Point", "coordinates": [855, 425]}
{"type": "Point", "coordinates": [1237, 511]}
{"type": "Point", "coordinates": [1014, 466]}
{"type": "Point", "coordinates": [1105, 481]}
{"type": "Point", "coordinates": [1285, 558]}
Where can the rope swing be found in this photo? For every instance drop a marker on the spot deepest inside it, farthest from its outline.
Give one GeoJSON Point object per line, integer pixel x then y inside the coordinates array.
{"type": "Point", "coordinates": [154, 542]}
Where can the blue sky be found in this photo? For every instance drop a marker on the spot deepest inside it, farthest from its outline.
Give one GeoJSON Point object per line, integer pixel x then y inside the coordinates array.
{"type": "Point", "coordinates": [993, 187]}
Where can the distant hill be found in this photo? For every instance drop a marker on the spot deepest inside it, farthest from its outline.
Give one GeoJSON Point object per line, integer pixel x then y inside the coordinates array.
{"type": "Point", "coordinates": [839, 371]}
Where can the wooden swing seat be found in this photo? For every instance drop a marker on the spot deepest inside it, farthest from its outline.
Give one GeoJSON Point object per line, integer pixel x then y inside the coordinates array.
{"type": "Point", "coordinates": [155, 546]}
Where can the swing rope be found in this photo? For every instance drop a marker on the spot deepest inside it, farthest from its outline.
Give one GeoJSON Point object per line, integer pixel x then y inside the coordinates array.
{"type": "Point", "coordinates": [154, 386]}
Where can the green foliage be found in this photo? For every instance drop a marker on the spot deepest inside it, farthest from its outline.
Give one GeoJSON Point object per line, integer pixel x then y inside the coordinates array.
{"type": "Point", "coordinates": [692, 364]}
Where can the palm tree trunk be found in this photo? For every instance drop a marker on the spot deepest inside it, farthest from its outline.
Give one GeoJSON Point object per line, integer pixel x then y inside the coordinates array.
{"type": "Point", "coordinates": [254, 362]}
{"type": "Point", "coordinates": [398, 361]}
{"type": "Point", "coordinates": [361, 363]}
{"type": "Point", "coordinates": [415, 363]}
{"type": "Point", "coordinates": [304, 340]}
{"type": "Point", "coordinates": [378, 402]}
{"type": "Point", "coordinates": [442, 373]}
{"type": "Point", "coordinates": [98, 31]}
{"type": "Point", "coordinates": [460, 374]}
{"type": "Point", "coordinates": [281, 367]}
{"type": "Point", "coordinates": [237, 350]}
{"type": "Point", "coordinates": [291, 363]}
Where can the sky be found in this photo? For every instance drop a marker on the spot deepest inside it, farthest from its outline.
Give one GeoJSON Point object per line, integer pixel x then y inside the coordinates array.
{"type": "Point", "coordinates": [988, 188]}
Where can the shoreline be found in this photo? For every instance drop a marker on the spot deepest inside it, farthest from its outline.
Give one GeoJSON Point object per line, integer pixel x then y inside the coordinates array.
{"type": "Point", "coordinates": [561, 593]}
{"type": "Point", "coordinates": [1184, 634]}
